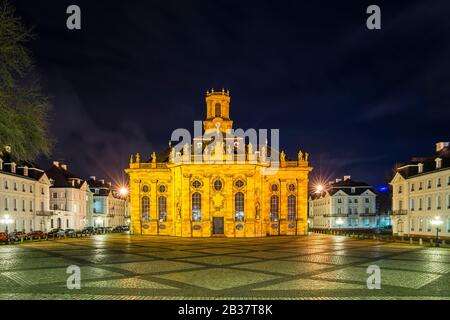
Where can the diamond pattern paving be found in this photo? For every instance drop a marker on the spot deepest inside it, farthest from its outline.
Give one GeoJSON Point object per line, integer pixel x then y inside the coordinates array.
{"type": "Point", "coordinates": [137, 267]}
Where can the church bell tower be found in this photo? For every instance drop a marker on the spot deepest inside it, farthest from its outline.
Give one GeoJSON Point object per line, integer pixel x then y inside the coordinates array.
{"type": "Point", "coordinates": [218, 111]}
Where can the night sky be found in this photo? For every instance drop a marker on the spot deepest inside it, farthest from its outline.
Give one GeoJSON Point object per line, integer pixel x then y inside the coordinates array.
{"type": "Point", "coordinates": [358, 101]}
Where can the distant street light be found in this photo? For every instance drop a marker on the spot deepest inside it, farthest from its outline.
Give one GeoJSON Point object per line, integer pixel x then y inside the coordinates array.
{"type": "Point", "coordinates": [437, 221]}
{"type": "Point", "coordinates": [123, 191]}
{"type": "Point", "coordinates": [319, 188]}
{"type": "Point", "coordinates": [339, 222]}
{"type": "Point", "coordinates": [6, 220]}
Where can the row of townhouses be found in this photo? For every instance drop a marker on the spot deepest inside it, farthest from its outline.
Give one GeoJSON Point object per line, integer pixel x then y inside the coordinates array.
{"type": "Point", "coordinates": [347, 204]}
{"type": "Point", "coordinates": [36, 199]}
{"type": "Point", "coordinates": [421, 195]}
{"type": "Point", "coordinates": [418, 202]}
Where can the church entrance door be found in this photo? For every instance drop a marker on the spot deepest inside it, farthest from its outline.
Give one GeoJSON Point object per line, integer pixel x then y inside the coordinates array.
{"type": "Point", "coordinates": [218, 224]}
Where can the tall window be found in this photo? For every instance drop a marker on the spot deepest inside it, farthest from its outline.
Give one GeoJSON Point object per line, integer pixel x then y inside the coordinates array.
{"type": "Point", "coordinates": [218, 111]}
{"type": "Point", "coordinates": [274, 208]}
{"type": "Point", "coordinates": [196, 207]}
{"type": "Point", "coordinates": [291, 208]}
{"type": "Point", "coordinates": [162, 208]}
{"type": "Point", "coordinates": [239, 206]}
{"type": "Point", "coordinates": [145, 209]}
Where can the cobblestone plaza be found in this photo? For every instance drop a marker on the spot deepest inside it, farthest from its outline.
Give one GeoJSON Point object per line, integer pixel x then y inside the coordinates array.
{"type": "Point", "coordinates": [139, 267]}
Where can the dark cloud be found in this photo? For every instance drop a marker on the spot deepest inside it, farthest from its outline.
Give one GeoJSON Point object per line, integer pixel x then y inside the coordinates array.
{"type": "Point", "coordinates": [358, 101]}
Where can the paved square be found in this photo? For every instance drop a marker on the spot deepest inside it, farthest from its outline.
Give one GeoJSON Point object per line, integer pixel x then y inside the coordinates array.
{"type": "Point", "coordinates": [136, 267]}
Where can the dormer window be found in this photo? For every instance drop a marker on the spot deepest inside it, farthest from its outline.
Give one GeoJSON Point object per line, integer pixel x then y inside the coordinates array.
{"type": "Point", "coordinates": [13, 167]}
{"type": "Point", "coordinates": [25, 171]}
{"type": "Point", "coordinates": [353, 190]}
{"type": "Point", "coordinates": [1, 164]}
{"type": "Point", "coordinates": [420, 167]}
{"type": "Point", "coordinates": [438, 163]}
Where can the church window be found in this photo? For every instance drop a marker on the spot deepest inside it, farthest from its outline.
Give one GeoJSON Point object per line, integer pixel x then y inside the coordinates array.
{"type": "Point", "coordinates": [218, 110]}
{"type": "Point", "coordinates": [145, 209]}
{"type": "Point", "coordinates": [196, 184]}
{"type": "Point", "coordinates": [239, 206]}
{"type": "Point", "coordinates": [162, 208]}
{"type": "Point", "coordinates": [274, 208]}
{"type": "Point", "coordinates": [274, 188]}
{"type": "Point", "coordinates": [218, 185]}
{"type": "Point", "coordinates": [196, 207]}
{"type": "Point", "coordinates": [291, 208]}
{"type": "Point", "coordinates": [239, 184]}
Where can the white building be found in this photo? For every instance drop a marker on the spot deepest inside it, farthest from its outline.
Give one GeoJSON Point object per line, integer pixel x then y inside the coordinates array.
{"type": "Point", "coordinates": [345, 204]}
{"type": "Point", "coordinates": [111, 209]}
{"type": "Point", "coordinates": [69, 200]}
{"type": "Point", "coordinates": [421, 194]}
{"type": "Point", "coordinates": [24, 193]}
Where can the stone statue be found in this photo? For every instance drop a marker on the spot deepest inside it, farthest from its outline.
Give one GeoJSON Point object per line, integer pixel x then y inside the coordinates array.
{"type": "Point", "coordinates": [154, 157]}
{"type": "Point", "coordinates": [300, 156]}
{"type": "Point", "coordinates": [282, 156]}
{"type": "Point", "coordinates": [263, 154]}
{"type": "Point", "coordinates": [138, 158]}
{"type": "Point", "coordinates": [131, 159]}
{"type": "Point", "coordinates": [306, 156]}
{"type": "Point", "coordinates": [250, 148]}
{"type": "Point", "coordinates": [172, 155]}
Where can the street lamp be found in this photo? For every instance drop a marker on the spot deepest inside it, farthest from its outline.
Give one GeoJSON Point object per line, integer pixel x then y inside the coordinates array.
{"type": "Point", "coordinates": [123, 191]}
{"type": "Point", "coordinates": [339, 222]}
{"type": "Point", "coordinates": [6, 220]}
{"type": "Point", "coordinates": [437, 221]}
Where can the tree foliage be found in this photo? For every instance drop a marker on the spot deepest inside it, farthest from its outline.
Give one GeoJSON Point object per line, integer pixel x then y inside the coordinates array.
{"type": "Point", "coordinates": [23, 108]}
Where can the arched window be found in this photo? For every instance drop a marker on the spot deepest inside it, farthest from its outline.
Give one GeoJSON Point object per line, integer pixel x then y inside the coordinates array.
{"type": "Point", "coordinates": [196, 207]}
{"type": "Point", "coordinates": [218, 110]}
{"type": "Point", "coordinates": [274, 208]}
{"type": "Point", "coordinates": [145, 209]}
{"type": "Point", "coordinates": [291, 208]}
{"type": "Point", "coordinates": [239, 206]}
{"type": "Point", "coordinates": [162, 208]}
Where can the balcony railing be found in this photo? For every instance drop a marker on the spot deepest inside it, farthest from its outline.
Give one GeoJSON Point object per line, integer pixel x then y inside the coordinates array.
{"type": "Point", "coordinates": [400, 212]}
{"type": "Point", "coordinates": [335, 215]}
{"type": "Point", "coordinates": [45, 213]}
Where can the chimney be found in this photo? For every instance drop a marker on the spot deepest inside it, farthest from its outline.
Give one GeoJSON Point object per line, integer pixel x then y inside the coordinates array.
{"type": "Point", "coordinates": [338, 180]}
{"type": "Point", "coordinates": [56, 163]}
{"type": "Point", "coordinates": [102, 181]}
{"type": "Point", "coordinates": [92, 178]}
{"type": "Point", "coordinates": [64, 167]}
{"type": "Point", "coordinates": [441, 145]}
{"type": "Point", "coordinates": [347, 178]}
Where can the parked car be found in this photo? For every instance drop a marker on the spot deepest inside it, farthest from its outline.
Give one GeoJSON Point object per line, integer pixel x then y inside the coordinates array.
{"type": "Point", "coordinates": [70, 232]}
{"type": "Point", "coordinates": [108, 229]}
{"type": "Point", "coordinates": [58, 232]}
{"type": "Point", "coordinates": [117, 229]}
{"type": "Point", "coordinates": [88, 230]}
{"type": "Point", "coordinates": [35, 235]}
{"type": "Point", "coordinates": [4, 237]}
{"type": "Point", "coordinates": [16, 236]}
{"type": "Point", "coordinates": [126, 228]}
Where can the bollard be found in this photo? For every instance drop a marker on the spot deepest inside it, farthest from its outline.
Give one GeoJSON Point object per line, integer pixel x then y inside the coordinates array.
{"type": "Point", "coordinates": [420, 242]}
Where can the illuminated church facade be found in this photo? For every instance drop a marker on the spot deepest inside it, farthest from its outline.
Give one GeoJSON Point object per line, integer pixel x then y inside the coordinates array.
{"type": "Point", "coordinates": [219, 185]}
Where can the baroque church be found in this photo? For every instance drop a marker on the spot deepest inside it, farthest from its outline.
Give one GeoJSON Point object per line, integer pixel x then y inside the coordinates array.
{"type": "Point", "coordinates": [219, 185]}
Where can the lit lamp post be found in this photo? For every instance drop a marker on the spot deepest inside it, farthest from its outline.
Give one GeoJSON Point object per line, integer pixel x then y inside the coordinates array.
{"type": "Point", "coordinates": [339, 222]}
{"type": "Point", "coordinates": [437, 221]}
{"type": "Point", "coordinates": [6, 220]}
